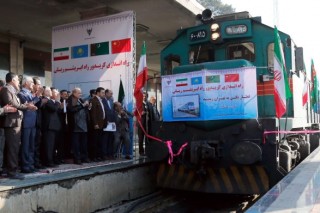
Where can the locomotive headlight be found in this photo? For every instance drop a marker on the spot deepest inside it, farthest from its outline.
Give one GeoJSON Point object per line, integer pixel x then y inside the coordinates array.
{"type": "Point", "coordinates": [214, 27]}
{"type": "Point", "coordinates": [215, 36]}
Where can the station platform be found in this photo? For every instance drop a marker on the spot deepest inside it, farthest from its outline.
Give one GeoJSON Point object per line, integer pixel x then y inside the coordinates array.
{"type": "Point", "coordinates": [298, 192]}
{"type": "Point", "coordinates": [78, 188]}
{"type": "Point", "coordinates": [69, 170]}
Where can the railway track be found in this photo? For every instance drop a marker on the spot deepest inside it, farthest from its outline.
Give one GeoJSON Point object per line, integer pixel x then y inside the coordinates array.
{"type": "Point", "coordinates": [176, 202]}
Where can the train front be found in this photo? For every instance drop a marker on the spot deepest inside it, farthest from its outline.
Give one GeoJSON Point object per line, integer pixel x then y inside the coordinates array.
{"type": "Point", "coordinates": [217, 95]}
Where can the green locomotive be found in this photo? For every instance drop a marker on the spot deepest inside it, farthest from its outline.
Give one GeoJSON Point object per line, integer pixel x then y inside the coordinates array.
{"type": "Point", "coordinates": [224, 68]}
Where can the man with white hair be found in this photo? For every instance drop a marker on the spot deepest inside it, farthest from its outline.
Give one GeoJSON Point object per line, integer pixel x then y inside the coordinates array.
{"type": "Point", "coordinates": [50, 123]}
{"type": "Point", "coordinates": [28, 130]}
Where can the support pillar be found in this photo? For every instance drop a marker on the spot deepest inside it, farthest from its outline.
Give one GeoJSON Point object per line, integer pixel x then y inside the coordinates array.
{"type": "Point", "coordinates": [16, 56]}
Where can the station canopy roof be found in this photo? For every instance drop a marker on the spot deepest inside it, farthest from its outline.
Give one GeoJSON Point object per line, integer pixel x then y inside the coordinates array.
{"type": "Point", "coordinates": [157, 20]}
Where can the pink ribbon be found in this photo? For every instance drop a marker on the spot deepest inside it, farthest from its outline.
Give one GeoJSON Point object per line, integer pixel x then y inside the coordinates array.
{"type": "Point", "coordinates": [285, 132]}
{"type": "Point", "coordinates": [168, 143]}
{"type": "Point", "coordinates": [171, 154]}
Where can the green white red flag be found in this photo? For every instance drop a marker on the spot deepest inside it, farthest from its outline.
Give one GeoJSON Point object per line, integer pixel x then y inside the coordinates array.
{"type": "Point", "coordinates": [281, 85]}
{"type": "Point", "coordinates": [305, 95]}
{"type": "Point", "coordinates": [314, 88]}
{"type": "Point", "coordinates": [142, 76]}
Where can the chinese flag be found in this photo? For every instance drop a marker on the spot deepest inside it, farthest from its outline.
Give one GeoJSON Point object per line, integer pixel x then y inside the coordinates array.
{"type": "Point", "coordinates": [121, 46]}
{"type": "Point", "coordinates": [231, 78]}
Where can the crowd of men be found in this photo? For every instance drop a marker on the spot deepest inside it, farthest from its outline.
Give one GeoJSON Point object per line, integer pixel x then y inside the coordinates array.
{"type": "Point", "coordinates": [52, 126]}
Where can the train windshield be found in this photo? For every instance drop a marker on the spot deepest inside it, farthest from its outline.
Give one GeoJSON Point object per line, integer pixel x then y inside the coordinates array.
{"type": "Point", "coordinates": [201, 53]}
{"type": "Point", "coordinates": [241, 51]}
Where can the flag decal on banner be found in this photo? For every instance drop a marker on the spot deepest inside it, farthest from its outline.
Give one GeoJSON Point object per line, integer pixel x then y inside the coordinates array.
{"type": "Point", "coordinates": [80, 51]}
{"type": "Point", "coordinates": [61, 54]}
{"type": "Point", "coordinates": [181, 82]}
{"type": "Point", "coordinates": [99, 49]}
{"type": "Point", "coordinates": [213, 79]}
{"type": "Point", "coordinates": [121, 46]}
{"type": "Point", "coordinates": [231, 77]}
{"type": "Point", "coordinates": [196, 80]}
{"type": "Point", "coordinates": [281, 85]}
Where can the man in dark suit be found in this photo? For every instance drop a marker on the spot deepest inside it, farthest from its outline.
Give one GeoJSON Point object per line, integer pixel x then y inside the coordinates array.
{"type": "Point", "coordinates": [77, 113]}
{"type": "Point", "coordinates": [108, 106]}
{"type": "Point", "coordinates": [28, 130]}
{"type": "Point", "coordinates": [146, 118]}
{"type": "Point", "coordinates": [122, 130]}
{"type": "Point", "coordinates": [37, 94]}
{"type": "Point", "coordinates": [98, 122]}
{"type": "Point", "coordinates": [51, 124]}
{"type": "Point", "coordinates": [63, 145]}
{"type": "Point", "coordinates": [12, 122]}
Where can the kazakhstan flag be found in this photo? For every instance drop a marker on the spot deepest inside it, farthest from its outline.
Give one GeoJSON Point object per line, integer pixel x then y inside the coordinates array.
{"type": "Point", "coordinates": [196, 80]}
{"type": "Point", "coordinates": [80, 51]}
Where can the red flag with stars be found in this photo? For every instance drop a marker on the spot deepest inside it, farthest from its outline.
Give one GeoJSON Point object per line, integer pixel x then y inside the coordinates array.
{"type": "Point", "coordinates": [121, 46]}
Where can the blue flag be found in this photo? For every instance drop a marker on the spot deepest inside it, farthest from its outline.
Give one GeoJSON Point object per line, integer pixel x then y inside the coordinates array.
{"type": "Point", "coordinates": [80, 51]}
{"type": "Point", "coordinates": [196, 80]}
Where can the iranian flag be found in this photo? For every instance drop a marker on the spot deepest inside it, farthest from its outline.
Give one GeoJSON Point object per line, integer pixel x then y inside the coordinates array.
{"type": "Point", "coordinates": [61, 54]}
{"type": "Point", "coordinates": [281, 85]}
{"type": "Point", "coordinates": [142, 76]}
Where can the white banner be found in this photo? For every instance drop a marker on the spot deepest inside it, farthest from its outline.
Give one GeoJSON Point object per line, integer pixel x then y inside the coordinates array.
{"type": "Point", "coordinates": [210, 95]}
{"type": "Point", "coordinates": [94, 53]}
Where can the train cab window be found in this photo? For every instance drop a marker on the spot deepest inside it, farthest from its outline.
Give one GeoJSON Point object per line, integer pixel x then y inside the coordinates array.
{"type": "Point", "coordinates": [271, 53]}
{"type": "Point", "coordinates": [171, 61]}
{"type": "Point", "coordinates": [241, 51]}
{"type": "Point", "coordinates": [201, 53]}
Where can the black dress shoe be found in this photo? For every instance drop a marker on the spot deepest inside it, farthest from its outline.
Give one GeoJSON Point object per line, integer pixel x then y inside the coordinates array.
{"type": "Point", "coordinates": [128, 157]}
{"type": "Point", "coordinates": [39, 167]}
{"type": "Point", "coordinates": [52, 165]}
{"type": "Point", "coordinates": [78, 162]}
{"type": "Point", "coordinates": [16, 176]}
{"type": "Point", "coordinates": [86, 161]}
{"type": "Point", "coordinates": [35, 170]}
{"type": "Point", "coordinates": [27, 171]}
